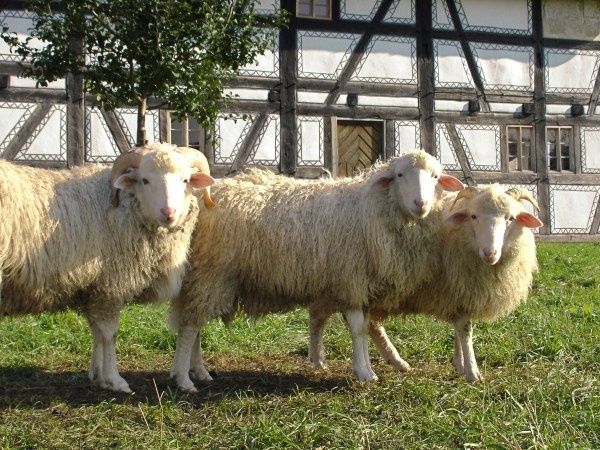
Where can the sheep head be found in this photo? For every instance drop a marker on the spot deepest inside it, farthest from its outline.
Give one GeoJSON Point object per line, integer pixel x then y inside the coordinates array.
{"type": "Point", "coordinates": [494, 218]}
{"type": "Point", "coordinates": [415, 181]}
{"type": "Point", "coordinates": [161, 178]}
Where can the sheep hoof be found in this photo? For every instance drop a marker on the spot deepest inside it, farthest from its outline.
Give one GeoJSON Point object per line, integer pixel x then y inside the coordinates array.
{"type": "Point", "coordinates": [200, 374]}
{"type": "Point", "coordinates": [474, 377]}
{"type": "Point", "coordinates": [400, 365]}
{"type": "Point", "coordinates": [366, 375]}
{"type": "Point", "coordinates": [184, 384]}
{"type": "Point", "coordinates": [320, 364]}
{"type": "Point", "coordinates": [118, 384]}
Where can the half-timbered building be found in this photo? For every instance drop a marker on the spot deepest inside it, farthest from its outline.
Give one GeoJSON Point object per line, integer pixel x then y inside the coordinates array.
{"type": "Point", "coordinates": [499, 90]}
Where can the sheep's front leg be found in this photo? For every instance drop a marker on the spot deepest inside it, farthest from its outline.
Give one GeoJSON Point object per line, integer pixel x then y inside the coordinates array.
{"type": "Point", "coordinates": [316, 353]}
{"type": "Point", "coordinates": [104, 371]}
{"type": "Point", "coordinates": [358, 322]}
{"type": "Point", "coordinates": [385, 347]}
{"type": "Point", "coordinates": [457, 358]}
{"type": "Point", "coordinates": [464, 332]}
{"type": "Point", "coordinates": [180, 372]}
{"type": "Point", "coordinates": [197, 369]}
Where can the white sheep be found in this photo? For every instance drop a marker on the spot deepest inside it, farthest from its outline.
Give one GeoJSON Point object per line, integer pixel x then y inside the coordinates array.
{"type": "Point", "coordinates": [62, 246]}
{"type": "Point", "coordinates": [487, 260]}
{"type": "Point", "coordinates": [278, 242]}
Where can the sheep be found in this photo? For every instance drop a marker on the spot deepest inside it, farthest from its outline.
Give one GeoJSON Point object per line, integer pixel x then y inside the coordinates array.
{"type": "Point", "coordinates": [63, 247]}
{"type": "Point", "coordinates": [278, 242]}
{"type": "Point", "coordinates": [491, 224]}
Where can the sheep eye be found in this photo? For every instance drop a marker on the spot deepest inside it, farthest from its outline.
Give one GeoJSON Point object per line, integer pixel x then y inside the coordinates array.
{"type": "Point", "coordinates": [186, 181]}
{"type": "Point", "coordinates": [435, 176]}
{"type": "Point", "coordinates": [145, 181]}
{"type": "Point", "coordinates": [473, 217]}
{"type": "Point", "coordinates": [511, 218]}
{"type": "Point", "coordinates": [399, 175]}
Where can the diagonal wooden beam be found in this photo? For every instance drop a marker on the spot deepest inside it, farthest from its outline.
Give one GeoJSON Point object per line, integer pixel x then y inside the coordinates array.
{"type": "Point", "coordinates": [470, 58]}
{"type": "Point", "coordinates": [248, 143]}
{"type": "Point", "coordinates": [115, 130]}
{"type": "Point", "coordinates": [358, 53]}
{"type": "Point", "coordinates": [594, 97]}
{"type": "Point", "coordinates": [461, 155]}
{"type": "Point", "coordinates": [595, 228]}
{"type": "Point", "coordinates": [26, 130]}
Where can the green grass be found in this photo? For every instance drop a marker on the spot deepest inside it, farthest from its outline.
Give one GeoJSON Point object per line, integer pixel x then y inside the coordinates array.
{"type": "Point", "coordinates": [541, 367]}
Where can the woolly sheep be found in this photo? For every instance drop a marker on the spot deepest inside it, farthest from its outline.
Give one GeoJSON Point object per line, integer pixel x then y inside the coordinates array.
{"type": "Point", "coordinates": [487, 260]}
{"type": "Point", "coordinates": [278, 242]}
{"type": "Point", "coordinates": [62, 246]}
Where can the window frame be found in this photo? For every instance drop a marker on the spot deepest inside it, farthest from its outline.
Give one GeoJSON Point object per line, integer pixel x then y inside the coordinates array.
{"type": "Point", "coordinates": [559, 157]}
{"type": "Point", "coordinates": [302, 16]}
{"type": "Point", "coordinates": [185, 131]}
{"type": "Point", "coordinates": [532, 158]}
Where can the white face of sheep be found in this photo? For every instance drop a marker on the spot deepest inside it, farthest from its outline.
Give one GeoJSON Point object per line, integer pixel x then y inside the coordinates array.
{"type": "Point", "coordinates": [415, 179]}
{"type": "Point", "coordinates": [495, 221]}
{"type": "Point", "coordinates": [163, 185]}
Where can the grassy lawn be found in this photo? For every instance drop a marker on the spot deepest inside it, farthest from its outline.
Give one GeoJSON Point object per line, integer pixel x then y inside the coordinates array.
{"type": "Point", "coordinates": [541, 389]}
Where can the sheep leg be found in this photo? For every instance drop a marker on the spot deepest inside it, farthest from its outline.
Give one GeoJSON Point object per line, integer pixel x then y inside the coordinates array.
{"type": "Point", "coordinates": [359, 327]}
{"type": "Point", "coordinates": [385, 347]}
{"type": "Point", "coordinates": [197, 369]}
{"type": "Point", "coordinates": [464, 330]}
{"type": "Point", "coordinates": [186, 336]}
{"type": "Point", "coordinates": [316, 352]}
{"type": "Point", "coordinates": [104, 372]}
{"type": "Point", "coordinates": [457, 358]}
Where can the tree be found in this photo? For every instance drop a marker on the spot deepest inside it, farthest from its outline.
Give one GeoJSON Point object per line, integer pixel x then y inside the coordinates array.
{"type": "Point", "coordinates": [179, 51]}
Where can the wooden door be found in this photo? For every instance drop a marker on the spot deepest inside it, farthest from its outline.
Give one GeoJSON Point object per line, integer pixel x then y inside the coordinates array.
{"type": "Point", "coordinates": [359, 145]}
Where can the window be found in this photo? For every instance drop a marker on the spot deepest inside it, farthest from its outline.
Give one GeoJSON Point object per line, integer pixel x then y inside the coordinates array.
{"type": "Point", "coordinates": [559, 145]}
{"type": "Point", "coordinates": [520, 154]}
{"type": "Point", "coordinates": [185, 133]}
{"type": "Point", "coordinates": [318, 9]}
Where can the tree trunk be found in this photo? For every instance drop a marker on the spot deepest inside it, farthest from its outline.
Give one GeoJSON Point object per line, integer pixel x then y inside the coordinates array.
{"type": "Point", "coordinates": [141, 123]}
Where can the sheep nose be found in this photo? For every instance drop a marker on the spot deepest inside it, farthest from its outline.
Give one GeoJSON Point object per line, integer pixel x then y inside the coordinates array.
{"type": "Point", "coordinates": [168, 213]}
{"type": "Point", "coordinates": [489, 254]}
{"type": "Point", "coordinates": [420, 203]}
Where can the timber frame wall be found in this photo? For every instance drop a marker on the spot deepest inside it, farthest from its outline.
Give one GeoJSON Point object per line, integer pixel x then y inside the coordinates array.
{"type": "Point", "coordinates": [283, 100]}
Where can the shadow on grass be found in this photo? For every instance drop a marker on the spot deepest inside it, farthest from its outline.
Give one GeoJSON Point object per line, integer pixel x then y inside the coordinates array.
{"type": "Point", "coordinates": [31, 386]}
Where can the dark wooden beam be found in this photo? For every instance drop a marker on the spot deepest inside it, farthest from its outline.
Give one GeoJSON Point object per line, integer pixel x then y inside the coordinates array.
{"type": "Point", "coordinates": [253, 83]}
{"type": "Point", "coordinates": [595, 228]}
{"type": "Point", "coordinates": [32, 95]}
{"type": "Point", "coordinates": [328, 139]}
{"type": "Point", "coordinates": [11, 68]}
{"type": "Point", "coordinates": [248, 143]}
{"type": "Point", "coordinates": [499, 177]}
{"type": "Point", "coordinates": [468, 54]}
{"type": "Point", "coordinates": [26, 130]}
{"type": "Point", "coordinates": [359, 112]}
{"type": "Point", "coordinates": [4, 81]}
{"type": "Point", "coordinates": [461, 155]}
{"type": "Point", "coordinates": [594, 97]}
{"type": "Point", "coordinates": [250, 106]}
{"type": "Point", "coordinates": [485, 37]}
{"type": "Point", "coordinates": [358, 53]}
{"type": "Point", "coordinates": [483, 118]}
{"type": "Point", "coordinates": [390, 139]}
{"type": "Point", "coordinates": [354, 26]}
{"type": "Point", "coordinates": [163, 125]}
{"type": "Point", "coordinates": [115, 130]}
{"type": "Point", "coordinates": [288, 73]}
{"type": "Point", "coordinates": [425, 74]}
{"type": "Point", "coordinates": [539, 115]}
{"type": "Point", "coordinates": [75, 111]}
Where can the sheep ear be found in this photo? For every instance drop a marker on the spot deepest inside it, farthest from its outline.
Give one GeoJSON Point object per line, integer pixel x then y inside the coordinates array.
{"type": "Point", "coordinates": [383, 182]}
{"type": "Point", "coordinates": [200, 179]}
{"type": "Point", "coordinates": [528, 220]}
{"type": "Point", "coordinates": [126, 181]}
{"type": "Point", "coordinates": [450, 183]}
{"type": "Point", "coordinates": [456, 219]}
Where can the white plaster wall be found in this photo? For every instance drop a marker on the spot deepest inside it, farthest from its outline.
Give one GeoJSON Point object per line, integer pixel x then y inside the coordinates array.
{"type": "Point", "coordinates": [506, 107]}
{"type": "Point", "coordinates": [363, 8]}
{"type": "Point", "coordinates": [101, 143]}
{"type": "Point", "coordinates": [230, 130]}
{"type": "Point", "coordinates": [311, 138]}
{"type": "Point", "coordinates": [532, 189]}
{"type": "Point", "coordinates": [47, 141]}
{"type": "Point", "coordinates": [267, 5]}
{"type": "Point", "coordinates": [591, 140]}
{"type": "Point", "coordinates": [449, 65]}
{"type": "Point", "coordinates": [388, 58]}
{"type": "Point", "coordinates": [572, 209]}
{"type": "Point", "coordinates": [504, 66]}
{"type": "Point", "coordinates": [373, 100]}
{"type": "Point", "coordinates": [451, 105]}
{"type": "Point", "coordinates": [407, 138]}
{"type": "Point", "coordinates": [265, 64]}
{"type": "Point", "coordinates": [323, 53]}
{"type": "Point", "coordinates": [19, 25]}
{"type": "Point", "coordinates": [266, 151]}
{"type": "Point", "coordinates": [504, 14]}
{"type": "Point", "coordinates": [9, 116]}
{"type": "Point", "coordinates": [248, 94]}
{"type": "Point", "coordinates": [562, 109]}
{"type": "Point", "coordinates": [441, 19]}
{"type": "Point", "coordinates": [130, 119]}
{"type": "Point", "coordinates": [312, 97]}
{"type": "Point", "coordinates": [445, 151]}
{"type": "Point", "coordinates": [30, 83]}
{"type": "Point", "coordinates": [571, 70]}
{"type": "Point", "coordinates": [481, 144]}
{"type": "Point", "coordinates": [401, 11]}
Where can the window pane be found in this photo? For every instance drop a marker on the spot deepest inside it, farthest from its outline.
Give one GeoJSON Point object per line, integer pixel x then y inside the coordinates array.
{"type": "Point", "coordinates": [566, 163]}
{"type": "Point", "coordinates": [321, 11]}
{"type": "Point", "coordinates": [526, 159]}
{"type": "Point", "coordinates": [176, 132]}
{"type": "Point", "coordinates": [193, 134]}
{"type": "Point", "coordinates": [304, 8]}
{"type": "Point", "coordinates": [551, 134]}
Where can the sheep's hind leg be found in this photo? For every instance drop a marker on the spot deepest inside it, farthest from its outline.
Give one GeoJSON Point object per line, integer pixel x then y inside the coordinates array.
{"type": "Point", "coordinates": [359, 327]}
{"type": "Point", "coordinates": [316, 353]}
{"type": "Point", "coordinates": [180, 372]}
{"type": "Point", "coordinates": [197, 369]}
{"type": "Point", "coordinates": [457, 358]}
{"type": "Point", "coordinates": [385, 347]}
{"type": "Point", "coordinates": [464, 331]}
